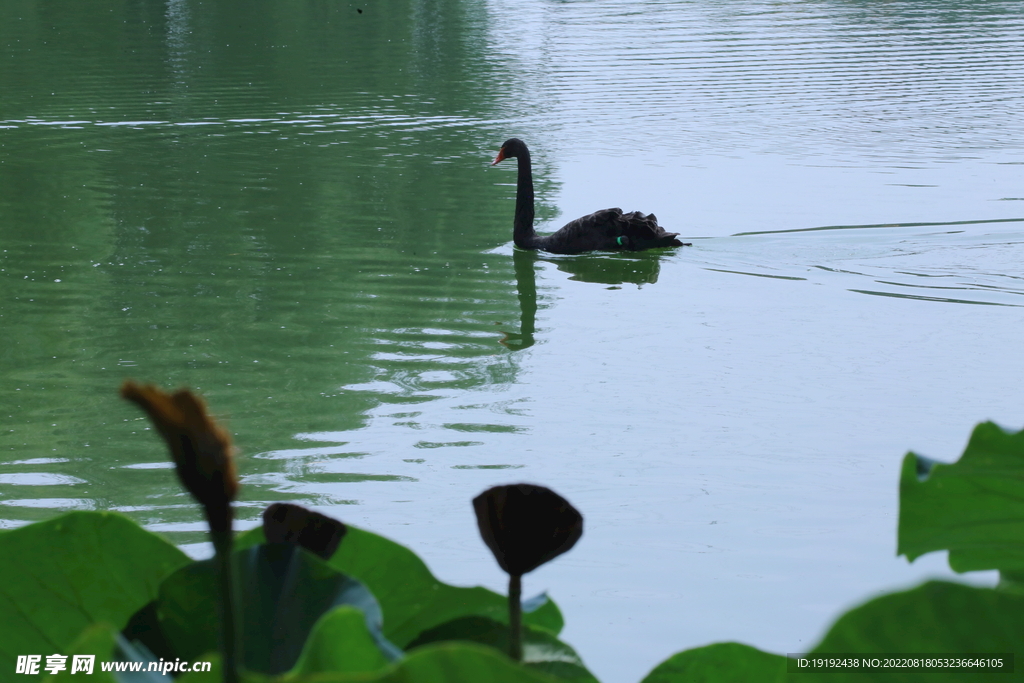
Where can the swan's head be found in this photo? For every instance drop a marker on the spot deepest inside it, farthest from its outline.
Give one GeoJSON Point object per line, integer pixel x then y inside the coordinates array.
{"type": "Point", "coordinates": [513, 147]}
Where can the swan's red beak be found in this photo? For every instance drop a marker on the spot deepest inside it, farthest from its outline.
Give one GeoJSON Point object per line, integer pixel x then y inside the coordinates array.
{"type": "Point", "coordinates": [500, 157]}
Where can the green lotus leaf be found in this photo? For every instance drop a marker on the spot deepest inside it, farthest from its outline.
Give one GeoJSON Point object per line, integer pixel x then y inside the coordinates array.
{"type": "Point", "coordinates": [283, 591]}
{"type": "Point", "coordinates": [98, 640]}
{"type": "Point", "coordinates": [974, 507]}
{"type": "Point", "coordinates": [720, 663]}
{"type": "Point", "coordinates": [411, 598]}
{"type": "Point", "coordinates": [340, 642]}
{"type": "Point", "coordinates": [936, 617]}
{"type": "Point", "coordinates": [542, 651]}
{"type": "Point", "coordinates": [442, 663]}
{"type": "Point", "coordinates": [63, 575]}
{"type": "Point", "coordinates": [460, 663]}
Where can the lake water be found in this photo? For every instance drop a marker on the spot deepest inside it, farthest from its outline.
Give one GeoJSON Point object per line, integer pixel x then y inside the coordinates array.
{"type": "Point", "coordinates": [288, 207]}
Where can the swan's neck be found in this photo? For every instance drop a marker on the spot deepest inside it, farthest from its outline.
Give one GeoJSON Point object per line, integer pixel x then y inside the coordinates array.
{"type": "Point", "coordinates": [523, 233]}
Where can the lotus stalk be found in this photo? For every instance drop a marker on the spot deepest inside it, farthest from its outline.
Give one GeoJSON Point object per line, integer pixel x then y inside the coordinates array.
{"type": "Point", "coordinates": [524, 526]}
{"type": "Point", "coordinates": [204, 460]}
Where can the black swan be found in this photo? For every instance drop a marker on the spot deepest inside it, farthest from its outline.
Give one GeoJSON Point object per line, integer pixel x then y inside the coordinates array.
{"type": "Point", "coordinates": [608, 229]}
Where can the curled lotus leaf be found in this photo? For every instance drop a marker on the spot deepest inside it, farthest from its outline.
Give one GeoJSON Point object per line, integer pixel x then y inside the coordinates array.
{"type": "Point", "coordinates": [526, 525]}
{"type": "Point", "coordinates": [290, 523]}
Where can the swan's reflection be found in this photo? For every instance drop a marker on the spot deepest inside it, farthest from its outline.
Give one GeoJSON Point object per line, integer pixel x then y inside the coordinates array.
{"type": "Point", "coordinates": [526, 284]}
{"type": "Point", "coordinates": [606, 269]}
{"type": "Point", "coordinates": [612, 269]}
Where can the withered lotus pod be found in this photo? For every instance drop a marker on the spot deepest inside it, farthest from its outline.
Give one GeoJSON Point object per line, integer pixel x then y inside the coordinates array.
{"type": "Point", "coordinates": [289, 523]}
{"type": "Point", "coordinates": [200, 448]}
{"type": "Point", "coordinates": [526, 525]}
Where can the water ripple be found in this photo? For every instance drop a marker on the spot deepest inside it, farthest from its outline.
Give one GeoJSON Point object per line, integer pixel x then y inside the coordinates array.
{"type": "Point", "coordinates": [776, 78]}
{"type": "Point", "coordinates": [886, 259]}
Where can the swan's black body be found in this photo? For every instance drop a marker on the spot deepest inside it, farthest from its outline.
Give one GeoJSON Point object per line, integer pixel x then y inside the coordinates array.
{"type": "Point", "coordinates": [607, 230]}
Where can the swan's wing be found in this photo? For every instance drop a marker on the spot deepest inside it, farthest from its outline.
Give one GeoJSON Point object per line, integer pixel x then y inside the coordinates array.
{"type": "Point", "coordinates": [597, 230]}
{"type": "Point", "coordinates": [611, 230]}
